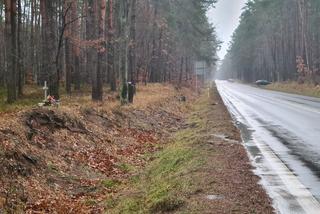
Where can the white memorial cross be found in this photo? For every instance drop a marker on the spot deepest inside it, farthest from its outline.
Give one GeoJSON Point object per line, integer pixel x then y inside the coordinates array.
{"type": "Point", "coordinates": [45, 88]}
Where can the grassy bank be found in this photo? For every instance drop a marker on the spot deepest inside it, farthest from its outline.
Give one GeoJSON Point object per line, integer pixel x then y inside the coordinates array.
{"type": "Point", "coordinates": [295, 88]}
{"type": "Point", "coordinates": [166, 183]}
{"type": "Point", "coordinates": [203, 170]}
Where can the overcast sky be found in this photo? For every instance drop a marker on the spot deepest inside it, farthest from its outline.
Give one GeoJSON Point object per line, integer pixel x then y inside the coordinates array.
{"type": "Point", "coordinates": [226, 18]}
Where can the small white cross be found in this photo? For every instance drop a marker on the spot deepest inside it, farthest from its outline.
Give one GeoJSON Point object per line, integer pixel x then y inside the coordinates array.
{"type": "Point", "coordinates": [45, 88]}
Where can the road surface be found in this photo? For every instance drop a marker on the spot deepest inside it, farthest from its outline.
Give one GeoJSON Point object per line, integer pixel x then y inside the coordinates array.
{"type": "Point", "coordinates": [282, 135]}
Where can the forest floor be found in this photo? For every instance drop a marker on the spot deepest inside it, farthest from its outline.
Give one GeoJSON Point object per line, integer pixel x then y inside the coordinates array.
{"type": "Point", "coordinates": [161, 154]}
{"type": "Point", "coordinates": [33, 96]}
{"type": "Point", "coordinates": [295, 88]}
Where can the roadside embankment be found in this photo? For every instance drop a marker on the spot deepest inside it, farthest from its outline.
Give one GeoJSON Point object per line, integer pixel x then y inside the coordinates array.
{"type": "Point", "coordinates": [168, 152]}
{"type": "Point", "coordinates": [205, 169]}
{"type": "Point", "coordinates": [74, 158]}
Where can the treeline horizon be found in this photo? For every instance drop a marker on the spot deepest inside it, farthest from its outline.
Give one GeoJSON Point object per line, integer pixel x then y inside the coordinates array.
{"type": "Point", "coordinates": [276, 41]}
{"type": "Point", "coordinates": [70, 43]}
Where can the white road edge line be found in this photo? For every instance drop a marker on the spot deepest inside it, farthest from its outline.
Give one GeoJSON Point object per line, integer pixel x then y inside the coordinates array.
{"type": "Point", "coordinates": [302, 195]}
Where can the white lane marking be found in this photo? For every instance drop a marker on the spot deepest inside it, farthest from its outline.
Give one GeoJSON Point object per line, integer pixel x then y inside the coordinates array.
{"type": "Point", "coordinates": [302, 195]}
{"type": "Point", "coordinates": [293, 186]}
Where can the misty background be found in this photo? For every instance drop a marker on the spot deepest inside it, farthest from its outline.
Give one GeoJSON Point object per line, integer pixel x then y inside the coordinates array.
{"type": "Point", "coordinates": [225, 17]}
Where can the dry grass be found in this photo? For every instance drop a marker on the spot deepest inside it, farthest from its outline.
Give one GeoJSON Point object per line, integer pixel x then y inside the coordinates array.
{"type": "Point", "coordinates": [146, 95]}
{"type": "Point", "coordinates": [152, 93]}
{"type": "Point", "coordinates": [306, 89]}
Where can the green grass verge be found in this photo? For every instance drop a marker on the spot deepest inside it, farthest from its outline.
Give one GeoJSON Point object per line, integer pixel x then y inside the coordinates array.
{"type": "Point", "coordinates": [167, 181]}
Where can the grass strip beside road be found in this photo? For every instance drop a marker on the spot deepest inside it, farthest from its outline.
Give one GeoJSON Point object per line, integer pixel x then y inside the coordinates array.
{"type": "Point", "coordinates": [199, 171]}
{"type": "Point", "coordinates": [166, 183]}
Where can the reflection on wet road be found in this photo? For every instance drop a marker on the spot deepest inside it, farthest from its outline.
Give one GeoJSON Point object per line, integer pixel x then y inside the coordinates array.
{"type": "Point", "coordinates": [282, 134]}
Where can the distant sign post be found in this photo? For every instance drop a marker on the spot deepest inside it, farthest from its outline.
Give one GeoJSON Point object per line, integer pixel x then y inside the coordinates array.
{"type": "Point", "coordinates": [201, 68]}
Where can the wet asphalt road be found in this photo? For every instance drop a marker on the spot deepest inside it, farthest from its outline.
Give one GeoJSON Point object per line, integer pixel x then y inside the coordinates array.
{"type": "Point", "coordinates": [282, 135]}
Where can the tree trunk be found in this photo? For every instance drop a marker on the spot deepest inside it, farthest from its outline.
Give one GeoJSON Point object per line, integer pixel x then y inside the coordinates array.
{"type": "Point", "coordinates": [97, 86]}
{"type": "Point", "coordinates": [124, 35]}
{"type": "Point", "coordinates": [75, 32]}
{"type": "Point", "coordinates": [153, 67]}
{"type": "Point", "coordinates": [68, 56]}
{"type": "Point", "coordinates": [11, 53]}
{"type": "Point", "coordinates": [91, 53]}
{"type": "Point", "coordinates": [132, 43]}
{"type": "Point", "coordinates": [181, 70]}
{"type": "Point", "coordinates": [19, 53]}
{"type": "Point", "coordinates": [111, 70]}
{"type": "Point", "coordinates": [49, 71]}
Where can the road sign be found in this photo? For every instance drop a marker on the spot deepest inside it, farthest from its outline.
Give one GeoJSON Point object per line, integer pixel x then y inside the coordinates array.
{"type": "Point", "coordinates": [201, 68]}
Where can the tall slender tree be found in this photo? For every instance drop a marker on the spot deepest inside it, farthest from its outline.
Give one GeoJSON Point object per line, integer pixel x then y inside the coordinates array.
{"type": "Point", "coordinates": [145, 40]}
{"type": "Point", "coordinates": [97, 86]}
{"type": "Point", "coordinates": [276, 40]}
{"type": "Point", "coordinates": [132, 42]}
{"type": "Point", "coordinates": [49, 71]}
{"type": "Point", "coordinates": [11, 48]}
{"type": "Point", "coordinates": [110, 52]}
{"type": "Point", "coordinates": [19, 51]}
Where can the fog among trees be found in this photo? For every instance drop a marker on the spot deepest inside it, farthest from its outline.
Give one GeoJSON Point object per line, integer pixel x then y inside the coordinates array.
{"type": "Point", "coordinates": [276, 41]}
{"type": "Point", "coordinates": [101, 43]}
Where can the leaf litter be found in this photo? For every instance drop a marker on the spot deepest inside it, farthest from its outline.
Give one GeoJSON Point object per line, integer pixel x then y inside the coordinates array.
{"type": "Point", "coordinates": [57, 160]}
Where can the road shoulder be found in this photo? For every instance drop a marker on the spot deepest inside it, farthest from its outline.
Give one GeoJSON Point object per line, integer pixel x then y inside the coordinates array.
{"type": "Point", "coordinates": [204, 170]}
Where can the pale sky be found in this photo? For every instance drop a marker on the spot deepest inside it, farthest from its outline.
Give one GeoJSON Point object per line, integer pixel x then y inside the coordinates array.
{"type": "Point", "coordinates": [225, 16]}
